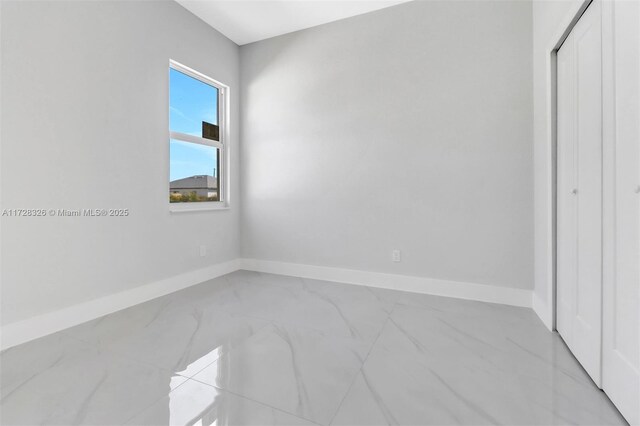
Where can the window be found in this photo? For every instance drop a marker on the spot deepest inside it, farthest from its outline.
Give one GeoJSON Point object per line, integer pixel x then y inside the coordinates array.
{"type": "Point", "coordinates": [196, 142]}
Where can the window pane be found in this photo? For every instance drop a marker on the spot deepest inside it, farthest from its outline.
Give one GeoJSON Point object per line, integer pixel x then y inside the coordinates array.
{"type": "Point", "coordinates": [192, 103]}
{"type": "Point", "coordinates": [193, 172]}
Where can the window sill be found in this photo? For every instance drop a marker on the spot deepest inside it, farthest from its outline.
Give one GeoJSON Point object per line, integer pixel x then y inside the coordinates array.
{"type": "Point", "coordinates": [199, 207]}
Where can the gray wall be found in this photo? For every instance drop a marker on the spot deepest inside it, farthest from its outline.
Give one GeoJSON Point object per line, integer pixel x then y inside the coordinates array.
{"type": "Point", "coordinates": [405, 128]}
{"type": "Point", "coordinates": [85, 125]}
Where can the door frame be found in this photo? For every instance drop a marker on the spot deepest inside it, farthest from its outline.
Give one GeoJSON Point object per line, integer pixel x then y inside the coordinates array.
{"type": "Point", "coordinates": [544, 296]}
{"type": "Point", "coordinates": [565, 28]}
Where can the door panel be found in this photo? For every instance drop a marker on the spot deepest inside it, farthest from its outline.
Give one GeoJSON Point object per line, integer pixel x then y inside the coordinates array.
{"type": "Point", "coordinates": [580, 191]}
{"type": "Point", "coordinates": [566, 215]}
{"type": "Point", "coordinates": [621, 307]}
{"type": "Point", "coordinates": [587, 326]}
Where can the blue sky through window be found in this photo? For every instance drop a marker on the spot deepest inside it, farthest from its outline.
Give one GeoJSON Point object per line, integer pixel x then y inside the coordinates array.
{"type": "Point", "coordinates": [190, 103]}
{"type": "Point", "coordinates": [191, 159]}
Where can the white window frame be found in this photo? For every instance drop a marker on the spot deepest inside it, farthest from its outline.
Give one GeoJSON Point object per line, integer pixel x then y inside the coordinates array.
{"type": "Point", "coordinates": [222, 145]}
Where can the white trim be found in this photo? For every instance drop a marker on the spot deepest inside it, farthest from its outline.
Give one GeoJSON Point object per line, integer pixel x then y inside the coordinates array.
{"type": "Point", "coordinates": [186, 137]}
{"type": "Point", "coordinates": [224, 118]}
{"type": "Point", "coordinates": [1, 203]}
{"type": "Point", "coordinates": [200, 206]}
{"type": "Point", "coordinates": [223, 145]}
{"type": "Point", "coordinates": [438, 287]}
{"type": "Point", "coordinates": [542, 310]}
{"type": "Point", "coordinates": [32, 328]}
{"type": "Point", "coordinates": [197, 75]}
{"type": "Point", "coordinates": [23, 331]}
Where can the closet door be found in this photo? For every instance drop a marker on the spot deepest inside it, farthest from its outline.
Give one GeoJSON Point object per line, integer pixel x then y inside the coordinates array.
{"type": "Point", "coordinates": [621, 307]}
{"type": "Point", "coordinates": [579, 280]}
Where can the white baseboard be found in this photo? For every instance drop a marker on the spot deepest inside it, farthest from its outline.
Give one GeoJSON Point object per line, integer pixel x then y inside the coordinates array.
{"type": "Point", "coordinates": [460, 290]}
{"type": "Point", "coordinates": [543, 311]}
{"type": "Point", "coordinates": [23, 331]}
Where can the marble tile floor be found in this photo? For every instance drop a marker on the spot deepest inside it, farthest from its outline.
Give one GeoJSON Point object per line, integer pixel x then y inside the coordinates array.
{"type": "Point", "coordinates": [260, 349]}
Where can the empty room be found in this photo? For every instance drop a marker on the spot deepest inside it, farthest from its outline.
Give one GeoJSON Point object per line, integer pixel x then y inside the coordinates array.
{"type": "Point", "coordinates": [319, 212]}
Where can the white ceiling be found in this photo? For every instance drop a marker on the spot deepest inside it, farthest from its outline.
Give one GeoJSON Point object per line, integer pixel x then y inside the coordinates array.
{"type": "Point", "coordinates": [246, 21]}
